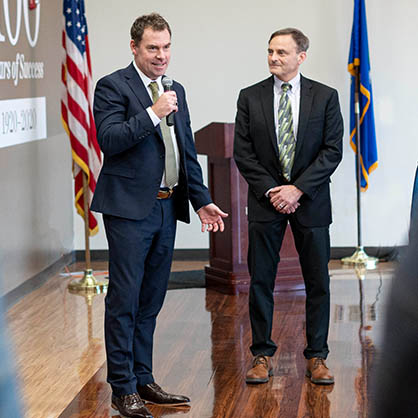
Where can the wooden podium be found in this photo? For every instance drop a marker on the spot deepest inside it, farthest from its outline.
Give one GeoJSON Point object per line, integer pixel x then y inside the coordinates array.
{"type": "Point", "coordinates": [228, 270]}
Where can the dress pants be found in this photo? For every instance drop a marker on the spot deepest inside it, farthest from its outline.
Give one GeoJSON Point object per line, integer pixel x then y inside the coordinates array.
{"type": "Point", "coordinates": [313, 246]}
{"type": "Point", "coordinates": [140, 255]}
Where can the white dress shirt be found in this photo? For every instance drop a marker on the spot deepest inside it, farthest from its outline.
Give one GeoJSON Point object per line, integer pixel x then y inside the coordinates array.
{"type": "Point", "coordinates": [155, 119]}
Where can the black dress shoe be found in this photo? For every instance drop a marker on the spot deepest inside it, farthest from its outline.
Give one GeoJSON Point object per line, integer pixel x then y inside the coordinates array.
{"type": "Point", "coordinates": [131, 406]}
{"type": "Point", "coordinates": [152, 393]}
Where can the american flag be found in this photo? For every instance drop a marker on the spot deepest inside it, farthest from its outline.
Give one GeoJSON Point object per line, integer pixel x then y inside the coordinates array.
{"type": "Point", "coordinates": [76, 104]}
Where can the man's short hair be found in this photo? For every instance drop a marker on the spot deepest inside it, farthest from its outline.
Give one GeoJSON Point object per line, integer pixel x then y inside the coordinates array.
{"type": "Point", "coordinates": [298, 36]}
{"type": "Point", "coordinates": [154, 21]}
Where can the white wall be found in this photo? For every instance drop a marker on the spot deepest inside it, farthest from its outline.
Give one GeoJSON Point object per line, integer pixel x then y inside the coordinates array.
{"type": "Point", "coordinates": [220, 47]}
{"type": "Point", "coordinates": [36, 222]}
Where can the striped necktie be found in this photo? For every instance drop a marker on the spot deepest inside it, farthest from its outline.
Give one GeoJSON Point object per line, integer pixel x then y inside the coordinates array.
{"type": "Point", "coordinates": [171, 176]}
{"type": "Point", "coordinates": [286, 138]}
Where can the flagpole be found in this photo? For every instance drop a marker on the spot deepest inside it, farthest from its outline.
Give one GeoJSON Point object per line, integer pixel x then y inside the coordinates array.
{"type": "Point", "coordinates": [364, 370]}
{"type": "Point", "coordinates": [88, 283]}
{"type": "Point", "coordinates": [358, 154]}
{"type": "Point", "coordinates": [360, 257]}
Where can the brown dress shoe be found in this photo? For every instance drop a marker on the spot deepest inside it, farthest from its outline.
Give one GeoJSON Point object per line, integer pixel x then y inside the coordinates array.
{"type": "Point", "coordinates": [318, 372]}
{"type": "Point", "coordinates": [131, 406]}
{"type": "Point", "coordinates": [260, 371]}
{"type": "Point", "coordinates": [152, 393]}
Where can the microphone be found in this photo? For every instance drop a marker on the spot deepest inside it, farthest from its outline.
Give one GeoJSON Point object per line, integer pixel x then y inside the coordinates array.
{"type": "Point", "coordinates": [167, 82]}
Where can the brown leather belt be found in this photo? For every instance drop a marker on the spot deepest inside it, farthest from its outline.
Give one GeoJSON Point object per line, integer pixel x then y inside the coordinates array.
{"type": "Point", "coordinates": [165, 194]}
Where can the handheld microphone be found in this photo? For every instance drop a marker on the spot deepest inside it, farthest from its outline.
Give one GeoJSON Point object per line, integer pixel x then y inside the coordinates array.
{"type": "Point", "coordinates": [167, 82]}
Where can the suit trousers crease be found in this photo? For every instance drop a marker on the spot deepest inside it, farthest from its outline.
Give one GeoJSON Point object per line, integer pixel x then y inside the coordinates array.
{"type": "Point", "coordinates": [140, 255]}
{"type": "Point", "coordinates": [313, 246]}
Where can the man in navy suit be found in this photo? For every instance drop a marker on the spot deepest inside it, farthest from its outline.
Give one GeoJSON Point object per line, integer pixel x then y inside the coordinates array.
{"type": "Point", "coordinates": [288, 142]}
{"type": "Point", "coordinates": [149, 175]}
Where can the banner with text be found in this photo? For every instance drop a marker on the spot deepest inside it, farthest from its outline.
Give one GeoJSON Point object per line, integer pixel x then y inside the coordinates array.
{"type": "Point", "coordinates": [24, 51]}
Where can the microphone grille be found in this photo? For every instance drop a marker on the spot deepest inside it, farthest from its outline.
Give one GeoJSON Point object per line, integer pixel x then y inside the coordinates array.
{"type": "Point", "coordinates": [167, 81]}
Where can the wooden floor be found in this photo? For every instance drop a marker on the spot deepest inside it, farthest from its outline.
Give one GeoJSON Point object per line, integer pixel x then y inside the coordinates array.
{"type": "Point", "coordinates": [201, 350]}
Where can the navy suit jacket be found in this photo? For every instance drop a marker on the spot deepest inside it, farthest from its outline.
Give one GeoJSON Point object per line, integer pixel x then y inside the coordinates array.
{"type": "Point", "coordinates": [134, 152]}
{"type": "Point", "coordinates": [318, 150]}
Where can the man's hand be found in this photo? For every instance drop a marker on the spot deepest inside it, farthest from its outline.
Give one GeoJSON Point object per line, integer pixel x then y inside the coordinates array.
{"type": "Point", "coordinates": [285, 199]}
{"type": "Point", "coordinates": [211, 218]}
{"type": "Point", "coordinates": [165, 104]}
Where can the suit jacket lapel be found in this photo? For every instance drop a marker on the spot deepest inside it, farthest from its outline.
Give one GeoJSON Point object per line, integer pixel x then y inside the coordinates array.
{"type": "Point", "coordinates": [178, 127]}
{"type": "Point", "coordinates": [139, 90]}
{"type": "Point", "coordinates": [179, 130]}
{"type": "Point", "coordinates": [141, 93]}
{"type": "Point", "coordinates": [304, 112]}
{"type": "Point", "coordinates": [267, 101]}
{"type": "Point", "coordinates": [137, 86]}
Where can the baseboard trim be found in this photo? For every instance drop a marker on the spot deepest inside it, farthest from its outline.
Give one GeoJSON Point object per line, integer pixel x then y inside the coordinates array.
{"type": "Point", "coordinates": [179, 255]}
{"type": "Point", "coordinates": [382, 253]}
{"type": "Point", "coordinates": [202, 254]}
{"type": "Point", "coordinates": [12, 297]}
{"type": "Point", "coordinates": [35, 282]}
{"type": "Point", "coordinates": [95, 255]}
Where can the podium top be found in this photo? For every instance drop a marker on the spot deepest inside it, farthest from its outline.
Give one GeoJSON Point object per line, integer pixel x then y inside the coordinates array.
{"type": "Point", "coordinates": [216, 140]}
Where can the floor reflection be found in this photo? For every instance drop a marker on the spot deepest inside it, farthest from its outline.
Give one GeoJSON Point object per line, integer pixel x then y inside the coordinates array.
{"type": "Point", "coordinates": [318, 404]}
{"type": "Point", "coordinates": [368, 315]}
{"type": "Point", "coordinates": [94, 349]}
{"type": "Point", "coordinates": [356, 325]}
{"type": "Point", "coordinates": [158, 411]}
{"type": "Point", "coordinates": [202, 350]}
{"type": "Point", "coordinates": [231, 338]}
{"type": "Point", "coordinates": [353, 330]}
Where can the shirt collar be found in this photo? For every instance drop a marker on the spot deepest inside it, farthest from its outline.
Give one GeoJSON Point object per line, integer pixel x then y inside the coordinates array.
{"type": "Point", "coordinates": [145, 79]}
{"type": "Point", "coordinates": [294, 82]}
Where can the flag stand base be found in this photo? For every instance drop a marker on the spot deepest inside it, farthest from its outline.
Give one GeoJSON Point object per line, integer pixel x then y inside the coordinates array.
{"type": "Point", "coordinates": [360, 258]}
{"type": "Point", "coordinates": [88, 284]}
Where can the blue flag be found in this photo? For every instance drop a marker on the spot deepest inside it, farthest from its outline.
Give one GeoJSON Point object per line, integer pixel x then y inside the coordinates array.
{"type": "Point", "coordinates": [359, 57]}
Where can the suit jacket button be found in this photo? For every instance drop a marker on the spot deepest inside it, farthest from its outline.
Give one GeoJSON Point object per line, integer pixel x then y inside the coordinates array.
{"type": "Point", "coordinates": [162, 156]}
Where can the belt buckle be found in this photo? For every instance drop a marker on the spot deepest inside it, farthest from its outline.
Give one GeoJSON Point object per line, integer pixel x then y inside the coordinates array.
{"type": "Point", "coordinates": [165, 194]}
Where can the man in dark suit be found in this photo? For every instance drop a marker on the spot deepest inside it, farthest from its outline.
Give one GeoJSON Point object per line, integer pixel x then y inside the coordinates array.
{"type": "Point", "coordinates": [395, 386]}
{"type": "Point", "coordinates": [150, 173]}
{"type": "Point", "coordinates": [288, 142]}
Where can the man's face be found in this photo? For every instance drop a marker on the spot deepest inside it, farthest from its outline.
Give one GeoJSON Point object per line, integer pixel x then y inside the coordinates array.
{"type": "Point", "coordinates": [152, 54]}
{"type": "Point", "coordinates": [284, 58]}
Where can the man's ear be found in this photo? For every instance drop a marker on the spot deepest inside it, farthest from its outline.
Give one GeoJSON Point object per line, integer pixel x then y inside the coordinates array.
{"type": "Point", "coordinates": [301, 57]}
{"type": "Point", "coordinates": [133, 46]}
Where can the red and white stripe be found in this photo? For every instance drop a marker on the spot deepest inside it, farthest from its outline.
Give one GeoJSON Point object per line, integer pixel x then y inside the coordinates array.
{"type": "Point", "coordinates": [77, 118]}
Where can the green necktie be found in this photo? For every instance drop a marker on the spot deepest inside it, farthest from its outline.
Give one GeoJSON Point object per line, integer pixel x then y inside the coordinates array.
{"type": "Point", "coordinates": [286, 138]}
{"type": "Point", "coordinates": [171, 176]}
